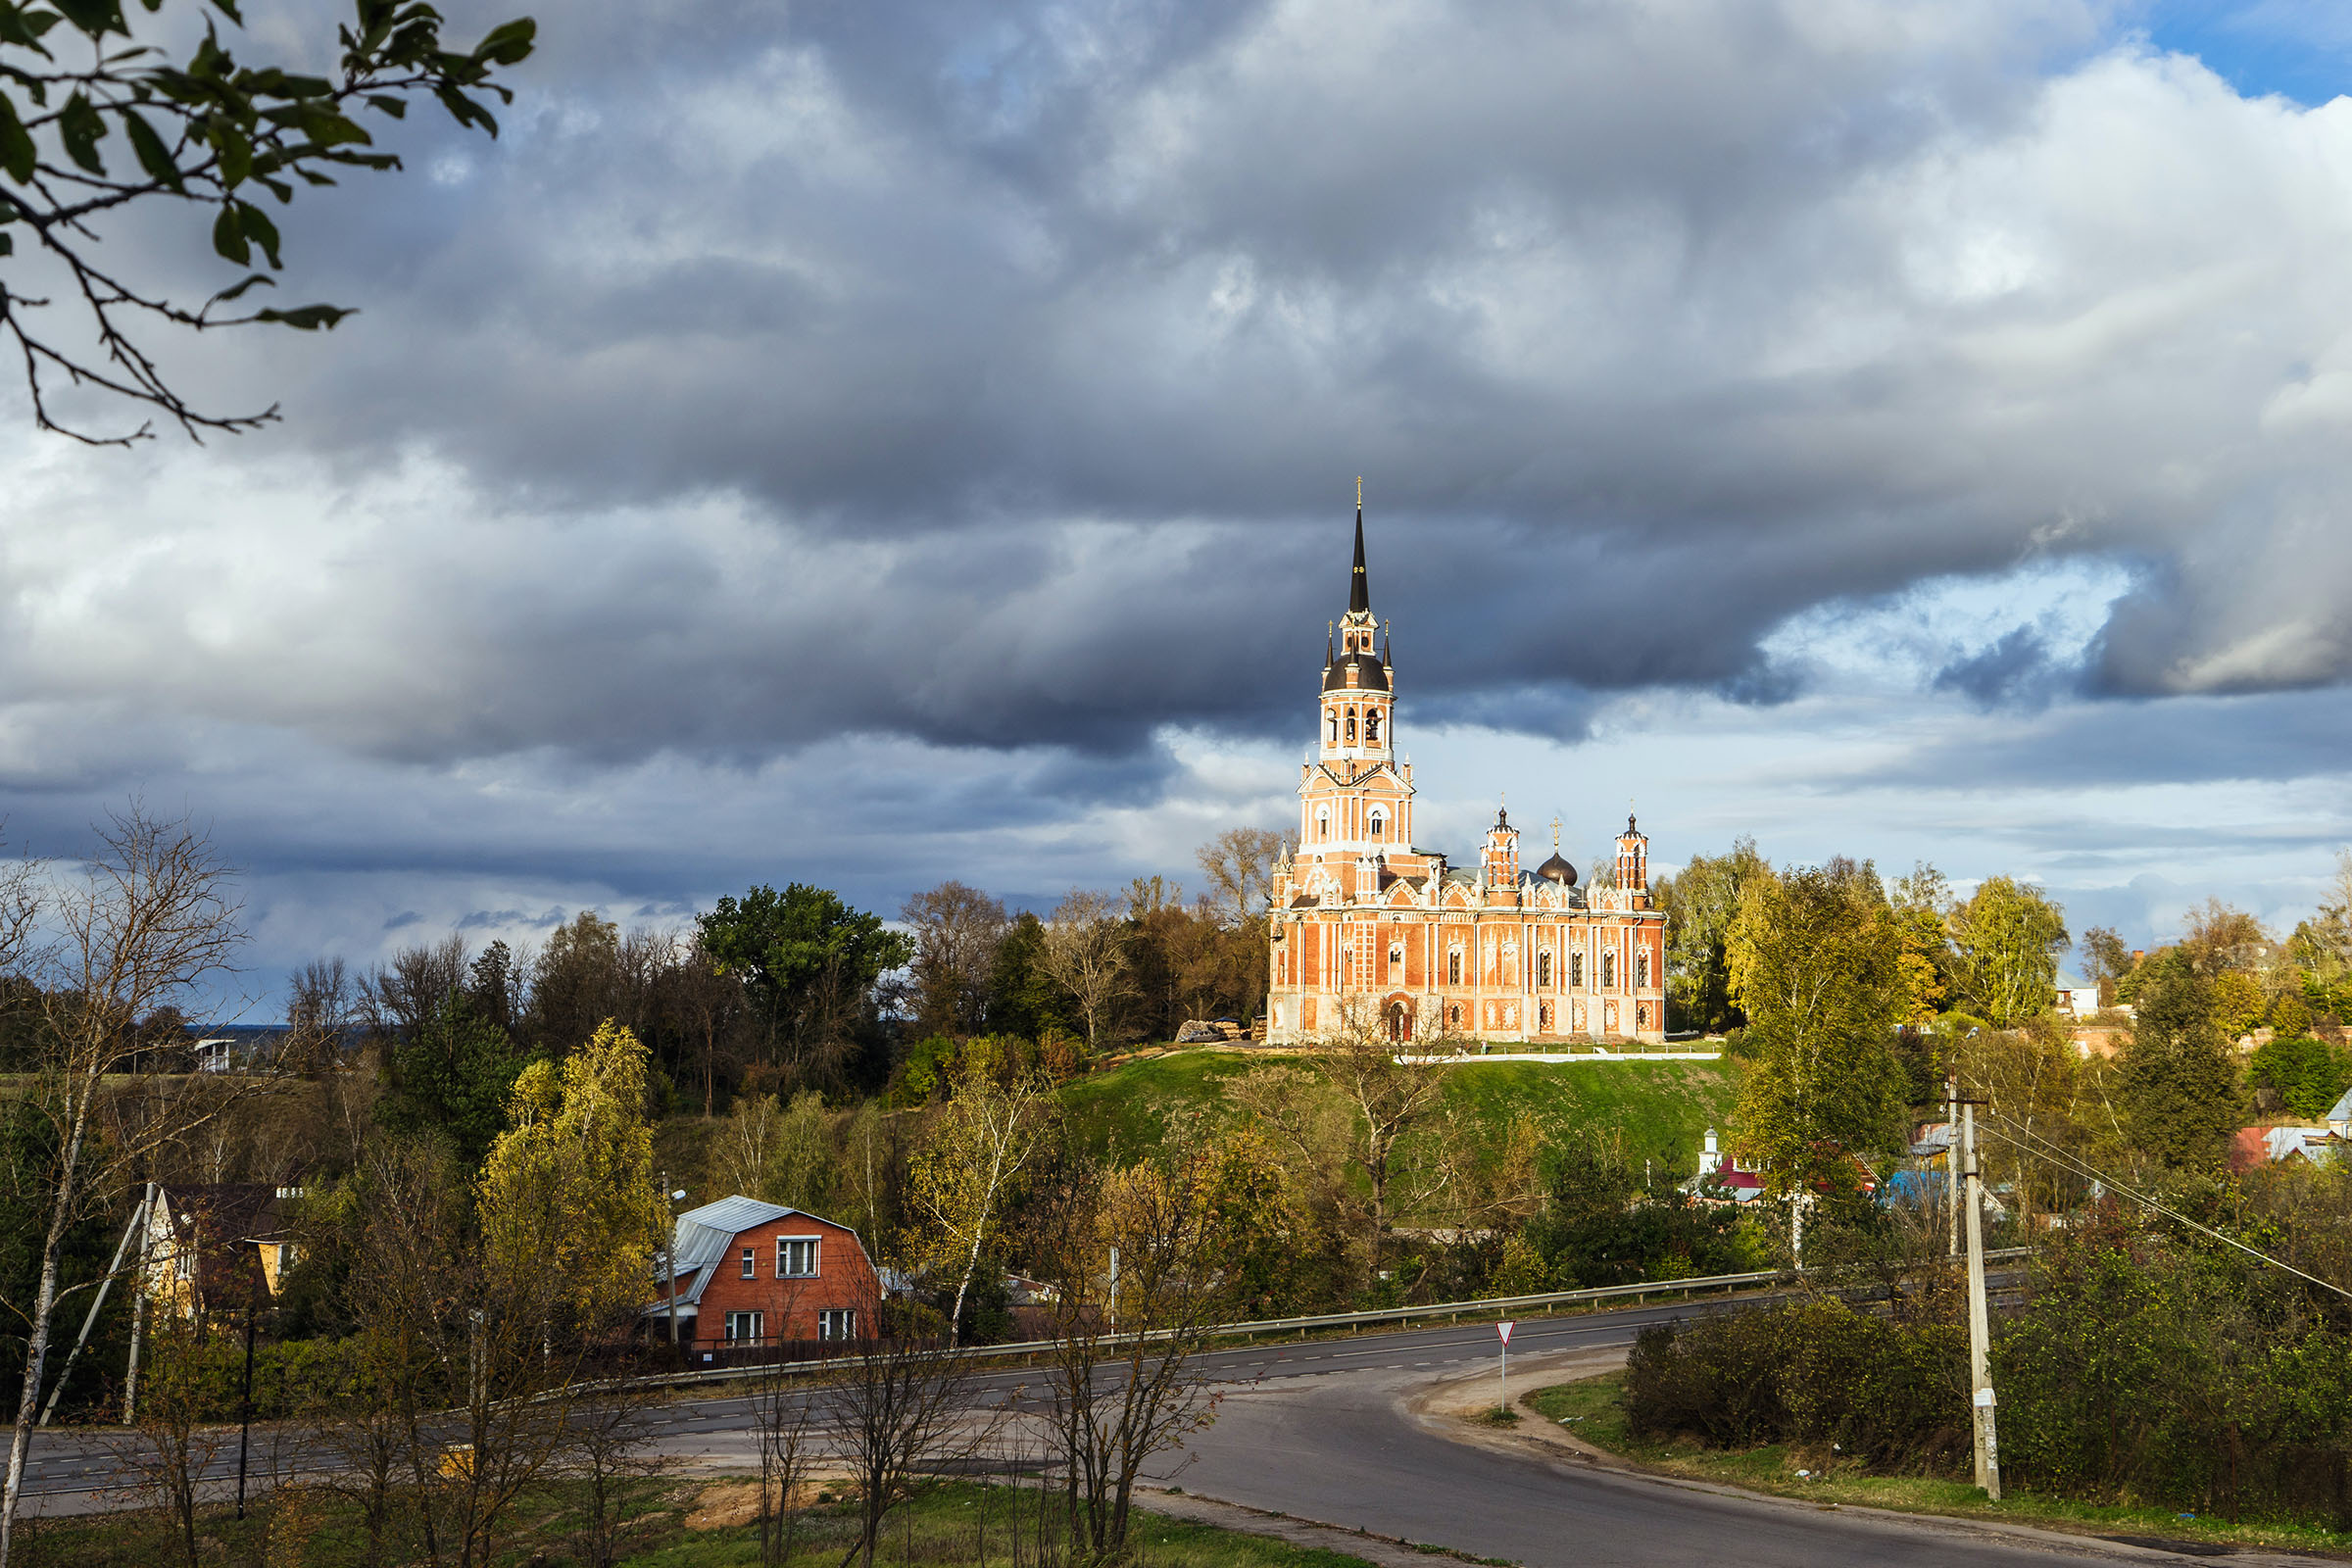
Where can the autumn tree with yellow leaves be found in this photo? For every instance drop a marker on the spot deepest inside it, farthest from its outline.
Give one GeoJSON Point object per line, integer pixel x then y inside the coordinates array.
{"type": "Point", "coordinates": [570, 1188]}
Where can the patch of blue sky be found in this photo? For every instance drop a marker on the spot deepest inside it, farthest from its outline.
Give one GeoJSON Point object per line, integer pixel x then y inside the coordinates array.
{"type": "Point", "coordinates": [2298, 49]}
{"type": "Point", "coordinates": [1908, 639]}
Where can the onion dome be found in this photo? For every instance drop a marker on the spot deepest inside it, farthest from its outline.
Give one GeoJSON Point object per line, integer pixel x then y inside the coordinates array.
{"type": "Point", "coordinates": [1558, 869]}
{"type": "Point", "coordinates": [1370, 674]}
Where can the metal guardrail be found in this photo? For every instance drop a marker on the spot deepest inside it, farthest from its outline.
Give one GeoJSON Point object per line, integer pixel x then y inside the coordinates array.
{"type": "Point", "coordinates": [1496, 1306]}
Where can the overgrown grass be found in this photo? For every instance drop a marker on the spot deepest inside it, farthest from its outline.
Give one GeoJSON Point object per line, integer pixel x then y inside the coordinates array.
{"type": "Point", "coordinates": [1593, 1410]}
{"type": "Point", "coordinates": [945, 1525]}
{"type": "Point", "coordinates": [1660, 1109]}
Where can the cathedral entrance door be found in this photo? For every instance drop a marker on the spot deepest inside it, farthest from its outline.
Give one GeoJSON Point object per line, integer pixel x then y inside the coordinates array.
{"type": "Point", "coordinates": [1401, 1021]}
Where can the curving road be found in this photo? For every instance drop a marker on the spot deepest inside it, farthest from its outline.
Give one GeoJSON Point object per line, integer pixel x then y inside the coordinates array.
{"type": "Point", "coordinates": [1335, 1431]}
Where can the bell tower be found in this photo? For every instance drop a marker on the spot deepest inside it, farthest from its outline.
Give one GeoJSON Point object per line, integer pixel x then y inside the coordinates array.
{"type": "Point", "coordinates": [1358, 732]}
{"type": "Point", "coordinates": [1633, 865]}
{"type": "Point", "coordinates": [1356, 799]}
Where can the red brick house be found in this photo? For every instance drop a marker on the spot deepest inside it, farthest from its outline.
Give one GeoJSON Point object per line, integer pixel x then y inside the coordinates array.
{"type": "Point", "coordinates": [748, 1274]}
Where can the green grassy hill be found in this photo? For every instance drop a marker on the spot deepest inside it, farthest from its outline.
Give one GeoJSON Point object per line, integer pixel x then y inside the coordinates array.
{"type": "Point", "coordinates": [1660, 1109]}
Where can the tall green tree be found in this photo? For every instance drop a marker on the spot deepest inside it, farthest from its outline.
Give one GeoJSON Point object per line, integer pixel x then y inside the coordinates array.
{"type": "Point", "coordinates": [1813, 964]}
{"type": "Point", "coordinates": [1702, 904]}
{"type": "Point", "coordinates": [450, 1078]}
{"type": "Point", "coordinates": [2180, 1090]}
{"type": "Point", "coordinates": [812, 962]}
{"type": "Point", "coordinates": [2007, 940]}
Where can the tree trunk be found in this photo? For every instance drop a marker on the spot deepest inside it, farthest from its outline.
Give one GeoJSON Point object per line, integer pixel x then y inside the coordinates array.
{"type": "Point", "coordinates": [37, 1345]}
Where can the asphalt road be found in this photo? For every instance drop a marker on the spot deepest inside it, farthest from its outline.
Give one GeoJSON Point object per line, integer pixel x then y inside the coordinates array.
{"type": "Point", "coordinates": [1327, 1430]}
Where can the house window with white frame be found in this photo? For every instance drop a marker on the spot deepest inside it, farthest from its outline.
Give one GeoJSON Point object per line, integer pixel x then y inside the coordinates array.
{"type": "Point", "coordinates": [837, 1323]}
{"type": "Point", "coordinates": [743, 1328]}
{"type": "Point", "coordinates": [796, 1257]}
{"type": "Point", "coordinates": [751, 1263]}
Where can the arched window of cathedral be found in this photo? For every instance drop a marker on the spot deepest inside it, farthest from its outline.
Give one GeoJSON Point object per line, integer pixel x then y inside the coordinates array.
{"type": "Point", "coordinates": [1380, 824]}
{"type": "Point", "coordinates": [1608, 969]}
{"type": "Point", "coordinates": [1395, 956]}
{"type": "Point", "coordinates": [1454, 969]}
{"type": "Point", "coordinates": [1351, 726]}
{"type": "Point", "coordinates": [1323, 824]}
{"type": "Point", "coordinates": [1641, 1015]}
{"type": "Point", "coordinates": [1576, 967]}
{"type": "Point", "coordinates": [1332, 716]}
{"type": "Point", "coordinates": [1454, 1015]}
{"type": "Point", "coordinates": [1371, 726]}
{"type": "Point", "coordinates": [1544, 968]}
{"type": "Point", "coordinates": [1641, 968]}
{"type": "Point", "coordinates": [1543, 1014]}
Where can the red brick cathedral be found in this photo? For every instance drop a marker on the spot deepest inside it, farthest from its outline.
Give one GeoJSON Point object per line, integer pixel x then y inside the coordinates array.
{"type": "Point", "coordinates": [1365, 926]}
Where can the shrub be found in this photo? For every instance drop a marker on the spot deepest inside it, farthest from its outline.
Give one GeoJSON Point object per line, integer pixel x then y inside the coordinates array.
{"type": "Point", "coordinates": [1890, 1393]}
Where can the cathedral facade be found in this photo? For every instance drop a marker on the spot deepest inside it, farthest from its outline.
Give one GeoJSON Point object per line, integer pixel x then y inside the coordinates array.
{"type": "Point", "coordinates": [1367, 927]}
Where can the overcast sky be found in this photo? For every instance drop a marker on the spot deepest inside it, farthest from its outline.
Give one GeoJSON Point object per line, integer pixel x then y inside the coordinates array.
{"type": "Point", "coordinates": [875, 441]}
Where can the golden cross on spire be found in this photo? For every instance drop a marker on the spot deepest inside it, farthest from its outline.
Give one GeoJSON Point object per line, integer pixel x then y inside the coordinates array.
{"type": "Point", "coordinates": [1359, 492]}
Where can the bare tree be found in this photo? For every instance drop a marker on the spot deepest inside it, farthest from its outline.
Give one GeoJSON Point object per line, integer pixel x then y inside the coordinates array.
{"type": "Point", "coordinates": [322, 1013]}
{"type": "Point", "coordinates": [1240, 866]}
{"type": "Point", "coordinates": [957, 931]}
{"type": "Point", "coordinates": [900, 1406]}
{"type": "Point", "coordinates": [784, 1415]}
{"type": "Point", "coordinates": [1084, 953]}
{"type": "Point", "coordinates": [399, 996]}
{"type": "Point", "coordinates": [1133, 1259]}
{"type": "Point", "coordinates": [142, 925]}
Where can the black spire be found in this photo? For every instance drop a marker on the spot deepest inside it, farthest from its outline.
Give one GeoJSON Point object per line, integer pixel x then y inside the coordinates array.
{"type": "Point", "coordinates": [1359, 596]}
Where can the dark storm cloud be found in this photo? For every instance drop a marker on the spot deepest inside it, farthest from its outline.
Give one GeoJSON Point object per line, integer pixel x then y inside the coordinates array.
{"type": "Point", "coordinates": [907, 414]}
{"type": "Point", "coordinates": [1574, 289]}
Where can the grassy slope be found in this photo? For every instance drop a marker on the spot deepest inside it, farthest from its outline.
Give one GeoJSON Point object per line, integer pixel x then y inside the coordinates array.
{"type": "Point", "coordinates": [1593, 1410]}
{"type": "Point", "coordinates": [1660, 1109]}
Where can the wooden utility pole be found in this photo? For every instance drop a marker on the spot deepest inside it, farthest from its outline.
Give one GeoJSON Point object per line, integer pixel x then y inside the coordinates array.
{"type": "Point", "coordinates": [1951, 1161]}
{"type": "Point", "coordinates": [1980, 1332]}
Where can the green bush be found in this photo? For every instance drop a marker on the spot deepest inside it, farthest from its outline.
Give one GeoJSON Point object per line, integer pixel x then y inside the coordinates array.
{"type": "Point", "coordinates": [2310, 1075]}
{"type": "Point", "coordinates": [1890, 1393]}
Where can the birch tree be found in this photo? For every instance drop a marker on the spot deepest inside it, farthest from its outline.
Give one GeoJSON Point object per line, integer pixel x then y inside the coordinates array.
{"type": "Point", "coordinates": [145, 923]}
{"type": "Point", "coordinates": [1814, 966]}
{"type": "Point", "coordinates": [975, 1155]}
{"type": "Point", "coordinates": [571, 1189]}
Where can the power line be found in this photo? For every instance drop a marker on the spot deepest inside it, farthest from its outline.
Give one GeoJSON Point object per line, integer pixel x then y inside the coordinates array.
{"type": "Point", "coordinates": [2084, 1168]}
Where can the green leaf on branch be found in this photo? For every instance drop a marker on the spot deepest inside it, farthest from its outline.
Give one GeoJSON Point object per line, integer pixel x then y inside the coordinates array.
{"type": "Point", "coordinates": [96, 18]}
{"type": "Point", "coordinates": [464, 111]}
{"type": "Point", "coordinates": [385, 103]}
{"type": "Point", "coordinates": [154, 156]}
{"type": "Point", "coordinates": [15, 144]}
{"type": "Point", "coordinates": [228, 236]}
{"type": "Point", "coordinates": [305, 318]}
{"type": "Point", "coordinates": [81, 127]}
{"type": "Point", "coordinates": [235, 150]}
{"type": "Point", "coordinates": [259, 229]}
{"type": "Point", "coordinates": [23, 28]}
{"type": "Point", "coordinates": [508, 43]}
{"type": "Point", "coordinates": [237, 290]}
